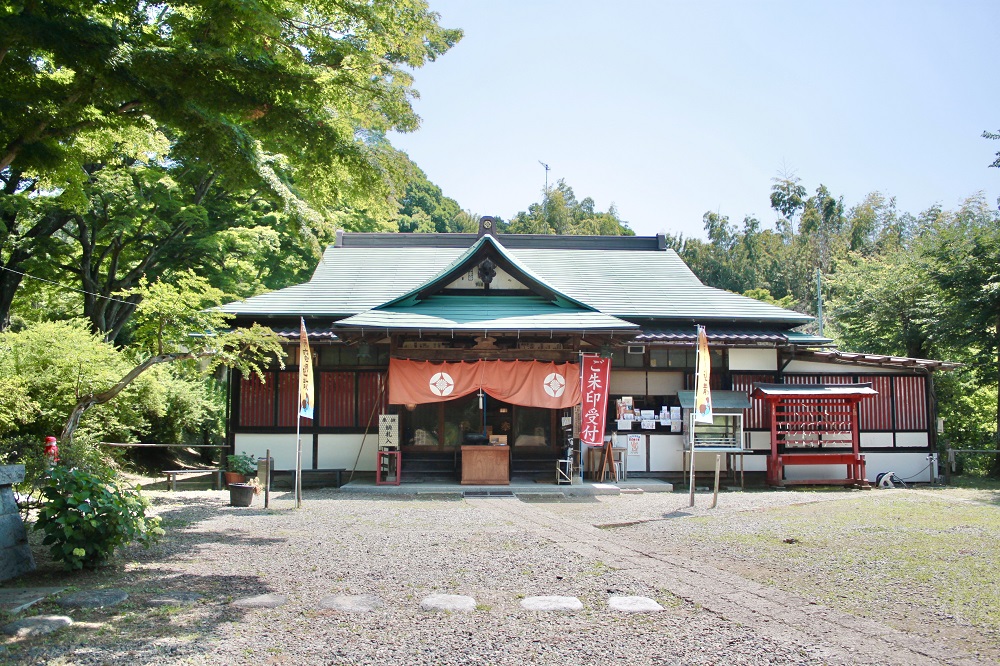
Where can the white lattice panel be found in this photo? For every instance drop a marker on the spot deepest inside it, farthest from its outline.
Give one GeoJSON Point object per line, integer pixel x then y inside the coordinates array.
{"type": "Point", "coordinates": [388, 431]}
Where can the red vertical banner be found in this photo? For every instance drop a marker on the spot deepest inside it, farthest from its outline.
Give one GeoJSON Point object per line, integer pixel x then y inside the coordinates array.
{"type": "Point", "coordinates": [594, 384]}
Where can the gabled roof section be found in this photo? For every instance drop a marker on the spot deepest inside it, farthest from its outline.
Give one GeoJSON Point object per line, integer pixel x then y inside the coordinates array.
{"type": "Point", "coordinates": [634, 278]}
{"type": "Point", "coordinates": [487, 247]}
{"type": "Point", "coordinates": [449, 312]}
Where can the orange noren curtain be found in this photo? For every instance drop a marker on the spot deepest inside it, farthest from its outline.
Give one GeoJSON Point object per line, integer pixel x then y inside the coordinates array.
{"type": "Point", "coordinates": [525, 383]}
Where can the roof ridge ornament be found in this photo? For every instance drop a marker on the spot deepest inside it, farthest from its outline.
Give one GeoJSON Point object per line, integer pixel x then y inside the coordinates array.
{"type": "Point", "coordinates": [487, 226]}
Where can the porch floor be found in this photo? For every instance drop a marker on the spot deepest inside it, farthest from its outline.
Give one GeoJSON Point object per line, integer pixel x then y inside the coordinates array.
{"type": "Point", "coordinates": [516, 487]}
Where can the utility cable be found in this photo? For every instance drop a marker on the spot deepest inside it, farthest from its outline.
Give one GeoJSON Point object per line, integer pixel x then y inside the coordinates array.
{"type": "Point", "coordinates": [62, 286]}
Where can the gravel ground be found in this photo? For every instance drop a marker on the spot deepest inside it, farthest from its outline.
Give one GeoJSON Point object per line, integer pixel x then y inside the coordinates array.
{"type": "Point", "coordinates": [405, 548]}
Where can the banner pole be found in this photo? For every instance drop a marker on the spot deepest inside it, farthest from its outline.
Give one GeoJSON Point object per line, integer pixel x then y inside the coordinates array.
{"type": "Point", "coordinates": [298, 458]}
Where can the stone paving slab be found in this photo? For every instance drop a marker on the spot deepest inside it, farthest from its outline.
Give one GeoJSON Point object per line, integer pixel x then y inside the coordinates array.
{"type": "Point", "coordinates": [362, 603]}
{"type": "Point", "coordinates": [551, 603]}
{"type": "Point", "coordinates": [262, 601]}
{"type": "Point", "coordinates": [13, 600]}
{"type": "Point", "coordinates": [93, 598]}
{"type": "Point", "coordinates": [832, 635]}
{"type": "Point", "coordinates": [634, 604]}
{"type": "Point", "coordinates": [453, 603]}
{"type": "Point", "coordinates": [36, 626]}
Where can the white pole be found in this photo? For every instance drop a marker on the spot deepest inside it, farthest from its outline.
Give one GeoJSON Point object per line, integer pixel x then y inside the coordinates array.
{"type": "Point", "coordinates": [691, 478]}
{"type": "Point", "coordinates": [298, 452]}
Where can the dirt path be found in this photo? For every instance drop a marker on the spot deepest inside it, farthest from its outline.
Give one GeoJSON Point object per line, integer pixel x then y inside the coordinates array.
{"type": "Point", "coordinates": [768, 611]}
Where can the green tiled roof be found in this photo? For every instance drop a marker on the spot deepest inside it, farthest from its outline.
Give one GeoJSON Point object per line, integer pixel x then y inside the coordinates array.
{"type": "Point", "coordinates": [629, 284]}
{"type": "Point", "coordinates": [478, 313]}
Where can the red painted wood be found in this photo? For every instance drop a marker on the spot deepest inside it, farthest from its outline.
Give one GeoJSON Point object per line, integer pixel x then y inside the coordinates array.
{"type": "Point", "coordinates": [257, 401]}
{"type": "Point", "coordinates": [911, 403]}
{"type": "Point", "coordinates": [336, 399]}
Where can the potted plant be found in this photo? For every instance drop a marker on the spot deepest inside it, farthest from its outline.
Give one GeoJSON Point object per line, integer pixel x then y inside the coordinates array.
{"type": "Point", "coordinates": [241, 494]}
{"type": "Point", "coordinates": [240, 467]}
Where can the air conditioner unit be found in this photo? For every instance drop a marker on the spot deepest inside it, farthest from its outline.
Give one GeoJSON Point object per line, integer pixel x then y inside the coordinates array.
{"type": "Point", "coordinates": [636, 349]}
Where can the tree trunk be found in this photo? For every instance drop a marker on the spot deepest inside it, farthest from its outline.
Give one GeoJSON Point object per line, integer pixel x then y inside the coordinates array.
{"type": "Point", "coordinates": [86, 402]}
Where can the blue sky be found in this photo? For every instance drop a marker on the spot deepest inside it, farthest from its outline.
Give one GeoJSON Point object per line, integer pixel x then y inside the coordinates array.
{"type": "Point", "coordinates": [672, 109]}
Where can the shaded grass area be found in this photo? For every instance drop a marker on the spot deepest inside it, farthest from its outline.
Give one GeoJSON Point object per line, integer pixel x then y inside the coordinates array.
{"type": "Point", "coordinates": [923, 561]}
{"type": "Point", "coordinates": [134, 630]}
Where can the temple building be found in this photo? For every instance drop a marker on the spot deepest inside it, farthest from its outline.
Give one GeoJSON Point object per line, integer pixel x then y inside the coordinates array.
{"type": "Point", "coordinates": [477, 340]}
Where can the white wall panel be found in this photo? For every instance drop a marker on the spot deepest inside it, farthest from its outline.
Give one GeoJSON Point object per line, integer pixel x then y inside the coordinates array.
{"type": "Point", "coordinates": [636, 463]}
{"type": "Point", "coordinates": [340, 451]}
{"type": "Point", "coordinates": [665, 453]}
{"type": "Point", "coordinates": [910, 467]}
{"type": "Point", "coordinates": [753, 359]}
{"type": "Point", "coordinates": [628, 382]}
{"type": "Point", "coordinates": [911, 439]}
{"type": "Point", "coordinates": [665, 383]}
{"type": "Point", "coordinates": [760, 441]}
{"type": "Point", "coordinates": [282, 448]}
{"type": "Point", "coordinates": [883, 439]}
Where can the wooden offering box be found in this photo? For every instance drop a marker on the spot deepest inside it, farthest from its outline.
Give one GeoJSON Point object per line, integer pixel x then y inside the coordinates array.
{"type": "Point", "coordinates": [485, 465]}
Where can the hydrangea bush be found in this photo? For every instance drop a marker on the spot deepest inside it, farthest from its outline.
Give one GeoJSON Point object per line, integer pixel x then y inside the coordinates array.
{"type": "Point", "coordinates": [85, 518]}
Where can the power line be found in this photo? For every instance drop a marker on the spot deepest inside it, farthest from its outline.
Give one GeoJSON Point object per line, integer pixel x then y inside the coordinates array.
{"type": "Point", "coordinates": [62, 286]}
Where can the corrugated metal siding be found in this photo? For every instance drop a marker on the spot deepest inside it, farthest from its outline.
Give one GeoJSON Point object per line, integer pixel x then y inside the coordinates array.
{"type": "Point", "coordinates": [876, 412]}
{"type": "Point", "coordinates": [758, 417]}
{"type": "Point", "coordinates": [288, 393]}
{"type": "Point", "coordinates": [371, 394]}
{"type": "Point", "coordinates": [911, 403]}
{"type": "Point", "coordinates": [336, 401]}
{"type": "Point", "coordinates": [257, 401]}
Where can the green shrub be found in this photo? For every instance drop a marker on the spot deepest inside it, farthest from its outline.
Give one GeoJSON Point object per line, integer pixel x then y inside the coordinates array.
{"type": "Point", "coordinates": [243, 463]}
{"type": "Point", "coordinates": [85, 518]}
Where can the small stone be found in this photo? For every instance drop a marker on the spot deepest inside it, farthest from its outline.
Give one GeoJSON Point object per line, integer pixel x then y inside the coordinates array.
{"type": "Point", "coordinates": [634, 604]}
{"type": "Point", "coordinates": [552, 603]}
{"type": "Point", "coordinates": [93, 598]}
{"type": "Point", "coordinates": [262, 601]}
{"type": "Point", "coordinates": [36, 626]}
{"type": "Point", "coordinates": [174, 599]}
{"type": "Point", "coordinates": [364, 603]}
{"type": "Point", "coordinates": [454, 603]}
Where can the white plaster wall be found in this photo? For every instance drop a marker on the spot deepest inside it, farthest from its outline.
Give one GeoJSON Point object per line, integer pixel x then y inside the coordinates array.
{"type": "Point", "coordinates": [753, 359]}
{"type": "Point", "coordinates": [341, 451]}
{"type": "Point", "coordinates": [636, 463]}
{"type": "Point", "coordinates": [882, 439]}
{"type": "Point", "coordinates": [665, 383]}
{"type": "Point", "coordinates": [794, 472]}
{"type": "Point", "coordinates": [911, 439]}
{"type": "Point", "coordinates": [910, 467]}
{"type": "Point", "coordinates": [835, 368]}
{"type": "Point", "coordinates": [628, 382]}
{"type": "Point", "coordinates": [760, 441]}
{"type": "Point", "coordinates": [666, 453]}
{"type": "Point", "coordinates": [282, 448]}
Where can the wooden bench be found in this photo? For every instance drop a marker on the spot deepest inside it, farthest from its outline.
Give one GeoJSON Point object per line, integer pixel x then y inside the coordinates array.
{"type": "Point", "coordinates": [311, 473]}
{"type": "Point", "coordinates": [172, 475]}
{"type": "Point", "coordinates": [855, 468]}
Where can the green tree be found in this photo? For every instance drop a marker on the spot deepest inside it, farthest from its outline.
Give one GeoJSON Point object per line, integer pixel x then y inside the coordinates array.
{"type": "Point", "coordinates": [180, 323]}
{"type": "Point", "coordinates": [883, 304]}
{"type": "Point", "coordinates": [561, 213]}
{"type": "Point", "coordinates": [425, 209]}
{"type": "Point", "coordinates": [275, 95]}
{"type": "Point", "coordinates": [963, 252]}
